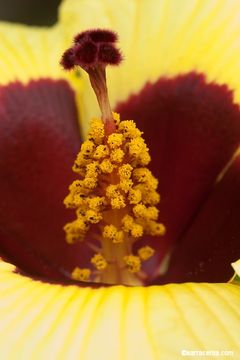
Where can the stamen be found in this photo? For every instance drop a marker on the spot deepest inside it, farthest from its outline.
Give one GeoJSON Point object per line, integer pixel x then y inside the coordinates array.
{"type": "Point", "coordinates": [81, 274]}
{"type": "Point", "coordinates": [116, 194]}
{"type": "Point", "coordinates": [145, 253]}
{"type": "Point", "coordinates": [133, 263]}
{"type": "Point", "coordinates": [99, 262]}
{"type": "Point", "coordinates": [121, 205]}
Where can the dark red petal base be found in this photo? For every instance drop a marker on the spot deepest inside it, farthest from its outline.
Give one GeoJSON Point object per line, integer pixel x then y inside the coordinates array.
{"type": "Point", "coordinates": [211, 243]}
{"type": "Point", "coordinates": [39, 140]}
{"type": "Point", "coordinates": [192, 129]}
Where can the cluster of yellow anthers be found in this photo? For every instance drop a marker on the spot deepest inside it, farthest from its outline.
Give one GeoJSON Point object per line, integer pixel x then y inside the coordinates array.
{"type": "Point", "coordinates": [115, 198]}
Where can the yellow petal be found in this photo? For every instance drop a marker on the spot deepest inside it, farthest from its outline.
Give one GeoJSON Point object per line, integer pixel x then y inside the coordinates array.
{"type": "Point", "coordinates": [161, 38]}
{"type": "Point", "coordinates": [41, 320]}
{"type": "Point", "coordinates": [29, 53]}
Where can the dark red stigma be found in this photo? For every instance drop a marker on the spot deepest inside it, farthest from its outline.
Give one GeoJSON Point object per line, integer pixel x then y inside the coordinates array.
{"type": "Point", "coordinates": [101, 35]}
{"type": "Point", "coordinates": [109, 54]}
{"type": "Point", "coordinates": [92, 48]}
{"type": "Point", "coordinates": [97, 35]}
{"type": "Point", "coordinates": [86, 53]}
{"type": "Point", "coordinates": [68, 59]}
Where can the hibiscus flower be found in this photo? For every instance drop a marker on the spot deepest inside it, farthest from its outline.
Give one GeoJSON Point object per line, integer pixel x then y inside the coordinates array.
{"type": "Point", "coordinates": [179, 83]}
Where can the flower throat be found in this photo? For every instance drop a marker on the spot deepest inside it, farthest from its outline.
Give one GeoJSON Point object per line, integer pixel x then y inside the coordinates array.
{"type": "Point", "coordinates": [116, 194]}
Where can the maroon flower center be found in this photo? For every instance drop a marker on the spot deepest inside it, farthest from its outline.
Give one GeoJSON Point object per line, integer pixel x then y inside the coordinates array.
{"type": "Point", "coordinates": [192, 129]}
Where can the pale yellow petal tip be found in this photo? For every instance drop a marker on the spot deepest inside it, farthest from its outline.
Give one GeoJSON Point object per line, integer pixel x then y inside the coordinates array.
{"type": "Point", "coordinates": [236, 267]}
{"type": "Point", "coordinates": [236, 277]}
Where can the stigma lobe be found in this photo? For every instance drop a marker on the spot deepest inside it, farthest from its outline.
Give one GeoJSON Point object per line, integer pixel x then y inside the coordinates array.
{"type": "Point", "coordinates": [91, 49]}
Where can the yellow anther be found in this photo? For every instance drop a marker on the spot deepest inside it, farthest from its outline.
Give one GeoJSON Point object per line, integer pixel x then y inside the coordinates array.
{"type": "Point", "coordinates": [90, 180]}
{"type": "Point", "coordinates": [96, 202]}
{"type": "Point", "coordinates": [93, 217]}
{"type": "Point", "coordinates": [149, 195]}
{"type": "Point", "coordinates": [129, 130]}
{"type": "Point", "coordinates": [89, 183]}
{"type": "Point", "coordinates": [81, 211]}
{"type": "Point", "coordinates": [152, 183]}
{"type": "Point", "coordinates": [116, 118]}
{"type": "Point", "coordinates": [106, 166]}
{"type": "Point", "coordinates": [145, 253]}
{"type": "Point", "coordinates": [155, 229]}
{"type": "Point", "coordinates": [81, 274]}
{"type": "Point", "coordinates": [92, 169]}
{"type": "Point", "coordinates": [137, 230]}
{"type": "Point", "coordinates": [152, 213]}
{"type": "Point", "coordinates": [96, 133]}
{"type": "Point", "coordinates": [133, 263]}
{"type": "Point", "coordinates": [112, 191]}
{"type": "Point", "coordinates": [119, 237]}
{"type": "Point", "coordinates": [99, 261]}
{"type": "Point", "coordinates": [127, 223]}
{"type": "Point", "coordinates": [150, 198]}
{"type": "Point", "coordinates": [75, 230]}
{"type": "Point", "coordinates": [69, 201]}
{"type": "Point", "coordinates": [118, 202]}
{"type": "Point", "coordinates": [72, 201]}
{"type": "Point", "coordinates": [77, 187]}
{"type": "Point", "coordinates": [126, 185]}
{"type": "Point", "coordinates": [145, 177]}
{"type": "Point", "coordinates": [111, 232]}
{"type": "Point", "coordinates": [101, 152]}
{"type": "Point", "coordinates": [136, 147]}
{"type": "Point", "coordinates": [129, 226]}
{"type": "Point", "coordinates": [142, 175]}
{"type": "Point", "coordinates": [79, 164]}
{"type": "Point", "coordinates": [115, 140]}
{"type": "Point", "coordinates": [76, 226]}
{"type": "Point", "coordinates": [117, 155]}
{"type": "Point", "coordinates": [144, 158]}
{"type": "Point", "coordinates": [76, 198]}
{"type": "Point", "coordinates": [159, 229]}
{"type": "Point", "coordinates": [140, 210]}
{"type": "Point", "coordinates": [87, 148]}
{"type": "Point", "coordinates": [125, 171]}
{"type": "Point", "coordinates": [134, 196]}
